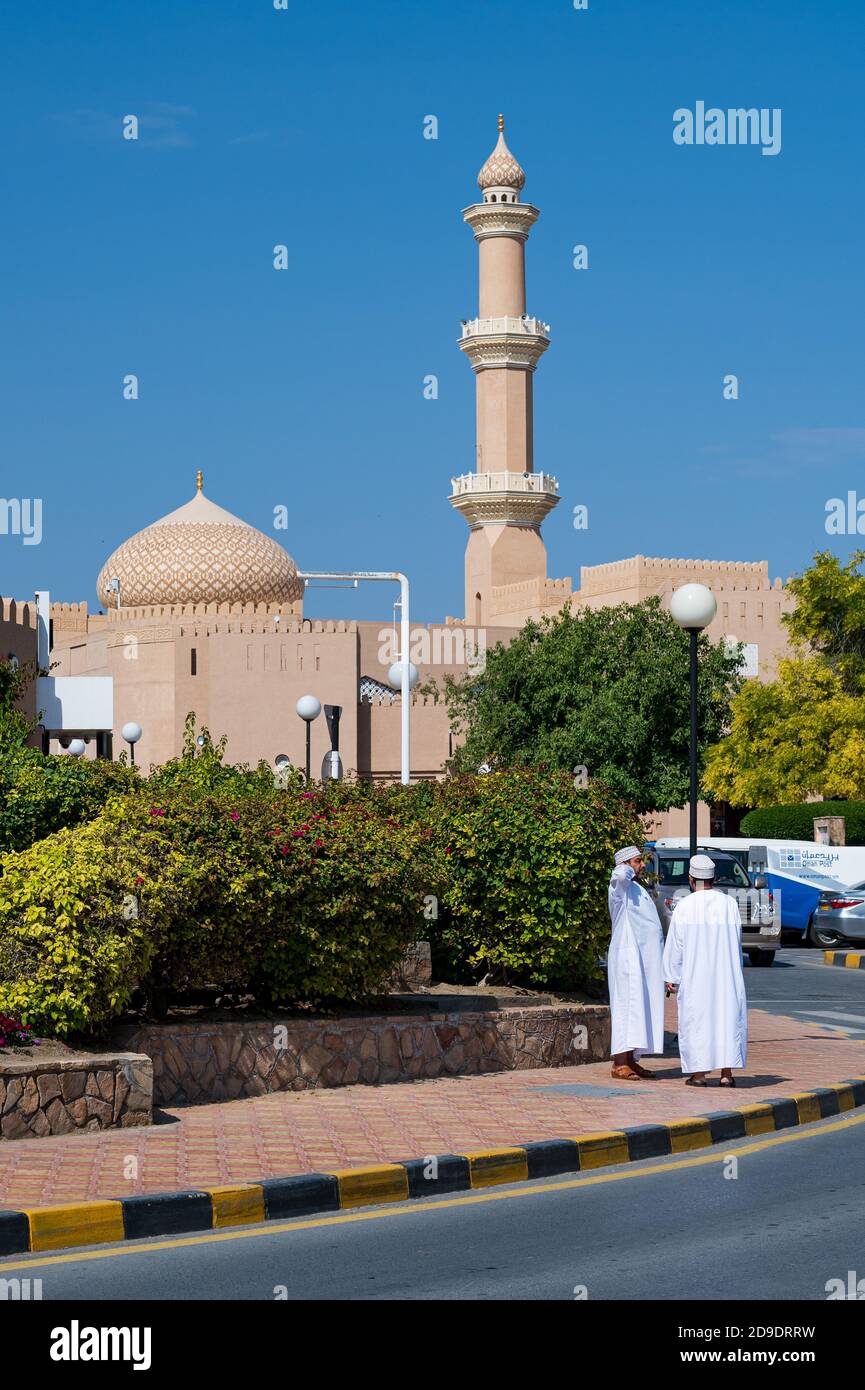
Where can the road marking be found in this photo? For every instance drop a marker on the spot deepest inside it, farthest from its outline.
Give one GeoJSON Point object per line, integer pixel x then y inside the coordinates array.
{"type": "Point", "coordinates": [537, 1189]}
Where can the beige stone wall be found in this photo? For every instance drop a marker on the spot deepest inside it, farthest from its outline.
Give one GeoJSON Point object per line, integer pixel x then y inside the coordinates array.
{"type": "Point", "coordinates": [18, 638]}
{"type": "Point", "coordinates": [750, 605]}
{"type": "Point", "coordinates": [194, 1063]}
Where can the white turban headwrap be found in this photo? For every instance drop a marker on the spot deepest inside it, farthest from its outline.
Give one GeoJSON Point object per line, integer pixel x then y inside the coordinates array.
{"type": "Point", "coordinates": [623, 856]}
{"type": "Point", "coordinates": [701, 866]}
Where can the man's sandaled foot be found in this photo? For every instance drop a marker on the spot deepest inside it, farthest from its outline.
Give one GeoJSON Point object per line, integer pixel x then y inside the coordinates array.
{"type": "Point", "coordinates": [624, 1073]}
{"type": "Point", "coordinates": [696, 1081]}
{"type": "Point", "coordinates": [727, 1081]}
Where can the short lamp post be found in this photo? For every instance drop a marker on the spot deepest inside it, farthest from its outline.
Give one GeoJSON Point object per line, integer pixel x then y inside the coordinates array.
{"type": "Point", "coordinates": [693, 607]}
{"type": "Point", "coordinates": [76, 748]}
{"type": "Point", "coordinates": [309, 708]}
{"type": "Point", "coordinates": [131, 733]}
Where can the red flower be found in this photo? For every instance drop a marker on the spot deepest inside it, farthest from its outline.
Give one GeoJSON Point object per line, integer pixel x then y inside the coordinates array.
{"type": "Point", "coordinates": [319, 843]}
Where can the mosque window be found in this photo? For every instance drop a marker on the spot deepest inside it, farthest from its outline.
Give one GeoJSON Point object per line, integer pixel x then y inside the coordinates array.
{"type": "Point", "coordinates": [193, 662]}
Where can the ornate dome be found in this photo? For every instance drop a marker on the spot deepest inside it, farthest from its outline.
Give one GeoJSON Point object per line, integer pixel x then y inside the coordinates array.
{"type": "Point", "coordinates": [501, 169]}
{"type": "Point", "coordinates": [199, 554]}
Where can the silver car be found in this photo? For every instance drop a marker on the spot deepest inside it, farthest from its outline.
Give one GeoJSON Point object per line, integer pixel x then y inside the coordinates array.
{"type": "Point", "coordinates": [839, 916]}
{"type": "Point", "coordinates": [667, 881]}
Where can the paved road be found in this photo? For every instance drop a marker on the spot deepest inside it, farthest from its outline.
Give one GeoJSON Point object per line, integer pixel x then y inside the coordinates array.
{"type": "Point", "coordinates": [801, 986]}
{"type": "Point", "coordinates": [792, 1219]}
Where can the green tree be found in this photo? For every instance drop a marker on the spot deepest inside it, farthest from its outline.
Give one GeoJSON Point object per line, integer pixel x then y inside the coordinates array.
{"type": "Point", "coordinates": [800, 735]}
{"type": "Point", "coordinates": [829, 618]}
{"type": "Point", "coordinates": [803, 734]}
{"type": "Point", "coordinates": [603, 688]}
{"type": "Point", "coordinates": [38, 794]}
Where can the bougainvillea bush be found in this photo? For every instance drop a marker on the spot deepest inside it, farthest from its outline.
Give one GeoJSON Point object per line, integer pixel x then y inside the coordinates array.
{"type": "Point", "coordinates": [14, 1034]}
{"type": "Point", "coordinates": [304, 897]}
{"type": "Point", "coordinates": [303, 900]}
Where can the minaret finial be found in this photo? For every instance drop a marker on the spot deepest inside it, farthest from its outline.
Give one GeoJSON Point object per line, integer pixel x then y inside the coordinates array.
{"type": "Point", "coordinates": [199, 481]}
{"type": "Point", "coordinates": [501, 123]}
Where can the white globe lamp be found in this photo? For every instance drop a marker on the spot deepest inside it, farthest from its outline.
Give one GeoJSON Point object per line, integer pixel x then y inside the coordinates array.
{"type": "Point", "coordinates": [693, 607]}
{"type": "Point", "coordinates": [131, 732]}
{"type": "Point", "coordinates": [394, 675]}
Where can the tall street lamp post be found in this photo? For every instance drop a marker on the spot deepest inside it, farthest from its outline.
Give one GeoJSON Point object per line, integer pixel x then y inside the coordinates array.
{"type": "Point", "coordinates": [309, 708]}
{"type": "Point", "coordinates": [131, 733]}
{"type": "Point", "coordinates": [693, 607]}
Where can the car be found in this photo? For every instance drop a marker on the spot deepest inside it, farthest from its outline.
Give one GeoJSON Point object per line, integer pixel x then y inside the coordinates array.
{"type": "Point", "coordinates": [667, 881]}
{"type": "Point", "coordinates": [839, 916]}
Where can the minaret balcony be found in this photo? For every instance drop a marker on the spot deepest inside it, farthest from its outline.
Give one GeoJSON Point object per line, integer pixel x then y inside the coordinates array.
{"type": "Point", "coordinates": [504, 499]}
{"type": "Point", "coordinates": [504, 342]}
{"type": "Point", "coordinates": [501, 219]}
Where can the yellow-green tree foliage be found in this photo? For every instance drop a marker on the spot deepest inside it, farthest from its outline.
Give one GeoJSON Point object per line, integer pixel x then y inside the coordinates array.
{"type": "Point", "coordinates": [800, 735]}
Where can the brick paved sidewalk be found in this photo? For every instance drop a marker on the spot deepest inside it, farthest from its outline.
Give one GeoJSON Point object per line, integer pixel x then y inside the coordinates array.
{"type": "Point", "coordinates": [296, 1132]}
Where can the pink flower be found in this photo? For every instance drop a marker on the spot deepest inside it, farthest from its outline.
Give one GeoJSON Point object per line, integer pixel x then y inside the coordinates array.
{"type": "Point", "coordinates": [138, 879]}
{"type": "Point", "coordinates": [155, 811]}
{"type": "Point", "coordinates": [297, 834]}
{"type": "Point", "coordinates": [235, 815]}
{"type": "Point", "coordinates": [319, 843]}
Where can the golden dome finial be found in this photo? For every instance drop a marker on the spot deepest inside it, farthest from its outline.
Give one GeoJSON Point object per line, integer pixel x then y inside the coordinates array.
{"type": "Point", "coordinates": [501, 123]}
{"type": "Point", "coordinates": [199, 481]}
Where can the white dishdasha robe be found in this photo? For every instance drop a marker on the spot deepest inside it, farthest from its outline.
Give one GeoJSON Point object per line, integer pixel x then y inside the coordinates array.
{"type": "Point", "coordinates": [634, 967]}
{"type": "Point", "coordinates": [703, 956]}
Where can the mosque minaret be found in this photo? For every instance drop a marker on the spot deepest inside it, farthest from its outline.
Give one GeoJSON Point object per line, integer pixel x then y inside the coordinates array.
{"type": "Point", "coordinates": [504, 500]}
{"type": "Point", "coordinates": [201, 611]}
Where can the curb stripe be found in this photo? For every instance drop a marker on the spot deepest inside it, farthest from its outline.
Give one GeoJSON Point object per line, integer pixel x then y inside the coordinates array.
{"type": "Point", "coordinates": [239, 1204]}
{"type": "Point", "coordinates": [76, 1224]}
{"type": "Point", "coordinates": [690, 1134]}
{"type": "Point", "coordinates": [367, 1186]}
{"type": "Point", "coordinates": [849, 960]}
{"type": "Point", "coordinates": [600, 1150]}
{"type": "Point", "coordinates": [493, 1166]}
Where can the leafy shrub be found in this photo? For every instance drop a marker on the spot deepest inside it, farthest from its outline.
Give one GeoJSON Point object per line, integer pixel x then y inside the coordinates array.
{"type": "Point", "coordinates": [70, 950]}
{"type": "Point", "coordinates": [795, 820]}
{"type": "Point", "coordinates": [309, 902]}
{"type": "Point", "coordinates": [528, 861]}
{"type": "Point", "coordinates": [40, 795]}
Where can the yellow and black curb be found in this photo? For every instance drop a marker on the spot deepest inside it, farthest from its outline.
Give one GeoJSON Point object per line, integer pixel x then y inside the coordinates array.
{"type": "Point", "coordinates": [850, 960]}
{"type": "Point", "coordinates": [312, 1194]}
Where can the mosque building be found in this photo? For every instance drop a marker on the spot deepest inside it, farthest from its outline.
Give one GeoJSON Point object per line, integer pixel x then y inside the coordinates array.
{"type": "Point", "coordinates": [202, 612]}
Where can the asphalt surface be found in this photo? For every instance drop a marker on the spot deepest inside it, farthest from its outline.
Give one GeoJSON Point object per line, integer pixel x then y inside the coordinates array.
{"type": "Point", "coordinates": [790, 1220]}
{"type": "Point", "coordinates": [799, 985]}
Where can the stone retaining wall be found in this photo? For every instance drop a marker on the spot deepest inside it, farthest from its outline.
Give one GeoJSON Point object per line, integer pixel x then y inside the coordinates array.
{"type": "Point", "coordinates": [62, 1095]}
{"type": "Point", "coordinates": [199, 1062]}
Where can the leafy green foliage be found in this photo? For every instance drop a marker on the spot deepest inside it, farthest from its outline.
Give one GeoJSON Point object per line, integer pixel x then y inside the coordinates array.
{"type": "Point", "coordinates": [306, 901]}
{"type": "Point", "coordinates": [70, 953]}
{"type": "Point", "coordinates": [602, 688]}
{"type": "Point", "coordinates": [795, 821]}
{"type": "Point", "coordinates": [829, 618]}
{"type": "Point", "coordinates": [527, 861]}
{"type": "Point", "coordinates": [801, 734]}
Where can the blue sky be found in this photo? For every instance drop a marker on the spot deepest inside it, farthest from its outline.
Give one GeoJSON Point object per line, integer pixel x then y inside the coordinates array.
{"type": "Point", "coordinates": [304, 388]}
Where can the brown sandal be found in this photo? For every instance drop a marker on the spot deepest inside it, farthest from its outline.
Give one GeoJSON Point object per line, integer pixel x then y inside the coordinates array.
{"type": "Point", "coordinates": [624, 1073]}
